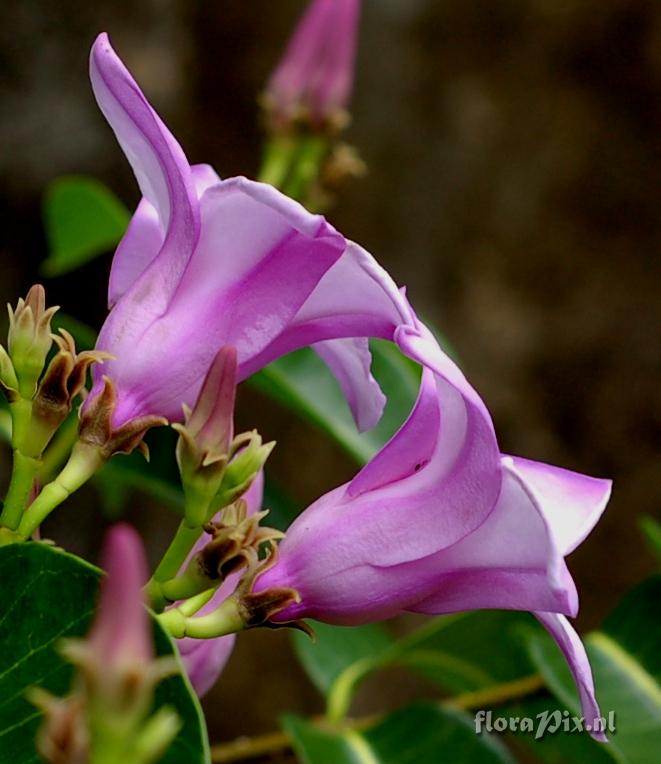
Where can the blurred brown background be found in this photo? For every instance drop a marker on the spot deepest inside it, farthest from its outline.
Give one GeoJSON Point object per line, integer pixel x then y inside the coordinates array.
{"type": "Point", "coordinates": [515, 174]}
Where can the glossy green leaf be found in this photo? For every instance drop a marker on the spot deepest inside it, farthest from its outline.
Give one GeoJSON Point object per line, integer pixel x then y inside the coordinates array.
{"type": "Point", "coordinates": [626, 662]}
{"type": "Point", "coordinates": [419, 734]}
{"type": "Point", "coordinates": [48, 594]}
{"type": "Point", "coordinates": [338, 649]}
{"type": "Point", "coordinates": [83, 219]}
{"type": "Point", "coordinates": [458, 653]}
{"type": "Point", "coordinates": [301, 381]}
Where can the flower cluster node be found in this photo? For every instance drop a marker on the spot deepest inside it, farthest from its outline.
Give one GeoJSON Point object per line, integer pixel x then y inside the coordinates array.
{"type": "Point", "coordinates": [97, 430]}
{"type": "Point", "coordinates": [258, 609]}
{"type": "Point", "coordinates": [62, 382]}
{"type": "Point", "coordinates": [235, 542]}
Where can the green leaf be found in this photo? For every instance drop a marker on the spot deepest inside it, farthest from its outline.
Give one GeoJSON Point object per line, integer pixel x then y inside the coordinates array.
{"type": "Point", "coordinates": [626, 663]}
{"type": "Point", "coordinates": [302, 382]}
{"type": "Point", "coordinates": [48, 594]}
{"type": "Point", "coordinates": [557, 748]}
{"type": "Point", "coordinates": [652, 531]}
{"type": "Point", "coordinates": [419, 734]}
{"type": "Point", "coordinates": [449, 651]}
{"type": "Point", "coordinates": [83, 219]}
{"type": "Point", "coordinates": [337, 649]}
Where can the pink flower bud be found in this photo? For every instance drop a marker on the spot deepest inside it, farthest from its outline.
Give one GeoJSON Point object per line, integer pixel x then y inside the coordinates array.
{"type": "Point", "coordinates": [315, 77]}
{"type": "Point", "coordinates": [121, 635]}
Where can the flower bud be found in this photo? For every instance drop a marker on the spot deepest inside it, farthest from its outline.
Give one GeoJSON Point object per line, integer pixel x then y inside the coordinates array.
{"type": "Point", "coordinates": [244, 467]}
{"type": "Point", "coordinates": [29, 338]}
{"type": "Point", "coordinates": [313, 82]}
{"type": "Point", "coordinates": [63, 380]}
{"type": "Point", "coordinates": [203, 448]}
{"type": "Point", "coordinates": [108, 715]}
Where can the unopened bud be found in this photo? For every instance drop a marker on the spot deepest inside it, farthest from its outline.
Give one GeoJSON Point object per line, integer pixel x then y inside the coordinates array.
{"type": "Point", "coordinates": [205, 438]}
{"type": "Point", "coordinates": [244, 467]}
{"type": "Point", "coordinates": [313, 82]}
{"type": "Point", "coordinates": [29, 338]}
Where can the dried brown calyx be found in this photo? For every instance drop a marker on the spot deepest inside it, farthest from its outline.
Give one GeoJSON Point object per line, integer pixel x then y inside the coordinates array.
{"type": "Point", "coordinates": [97, 431]}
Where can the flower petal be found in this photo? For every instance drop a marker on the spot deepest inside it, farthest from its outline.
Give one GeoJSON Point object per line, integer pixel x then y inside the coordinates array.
{"type": "Point", "coordinates": [159, 164]}
{"type": "Point", "coordinates": [509, 562]}
{"type": "Point", "coordinates": [205, 659]}
{"type": "Point", "coordinates": [355, 298]}
{"type": "Point", "coordinates": [144, 238]}
{"type": "Point", "coordinates": [350, 362]}
{"type": "Point", "coordinates": [572, 503]}
{"type": "Point", "coordinates": [435, 481]}
{"type": "Point", "coordinates": [572, 648]}
{"type": "Point", "coordinates": [259, 257]}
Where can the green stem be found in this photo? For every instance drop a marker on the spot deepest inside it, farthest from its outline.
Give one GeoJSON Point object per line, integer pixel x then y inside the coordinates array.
{"type": "Point", "coordinates": [174, 557]}
{"type": "Point", "coordinates": [193, 604]}
{"type": "Point", "coordinates": [84, 461]}
{"type": "Point", "coordinates": [184, 587]}
{"type": "Point", "coordinates": [24, 467]}
{"type": "Point", "coordinates": [24, 471]}
{"type": "Point", "coordinates": [56, 454]}
{"type": "Point", "coordinates": [226, 619]}
{"type": "Point", "coordinates": [277, 162]}
{"type": "Point", "coordinates": [306, 167]}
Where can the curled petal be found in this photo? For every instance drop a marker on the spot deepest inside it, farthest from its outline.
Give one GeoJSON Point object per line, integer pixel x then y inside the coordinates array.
{"type": "Point", "coordinates": [509, 562]}
{"type": "Point", "coordinates": [258, 259]}
{"type": "Point", "coordinates": [572, 503]}
{"type": "Point", "coordinates": [350, 362]}
{"type": "Point", "coordinates": [159, 164]}
{"type": "Point", "coordinates": [144, 237]}
{"type": "Point", "coordinates": [572, 648]}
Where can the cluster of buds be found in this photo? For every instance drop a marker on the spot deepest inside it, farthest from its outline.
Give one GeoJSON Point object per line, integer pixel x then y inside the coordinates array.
{"type": "Point", "coordinates": [236, 538]}
{"type": "Point", "coordinates": [48, 396]}
{"type": "Point", "coordinates": [108, 716]}
{"type": "Point", "coordinates": [216, 467]}
{"type": "Point", "coordinates": [29, 341]}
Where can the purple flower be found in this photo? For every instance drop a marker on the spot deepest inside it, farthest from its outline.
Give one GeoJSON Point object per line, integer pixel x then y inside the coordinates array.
{"type": "Point", "coordinates": [315, 77]}
{"type": "Point", "coordinates": [205, 659]}
{"type": "Point", "coordinates": [439, 521]}
{"type": "Point", "coordinates": [208, 262]}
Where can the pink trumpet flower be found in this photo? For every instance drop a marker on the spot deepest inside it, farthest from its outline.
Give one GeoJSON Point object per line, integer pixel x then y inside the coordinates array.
{"type": "Point", "coordinates": [207, 262]}
{"type": "Point", "coordinates": [440, 521]}
{"type": "Point", "coordinates": [315, 77]}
